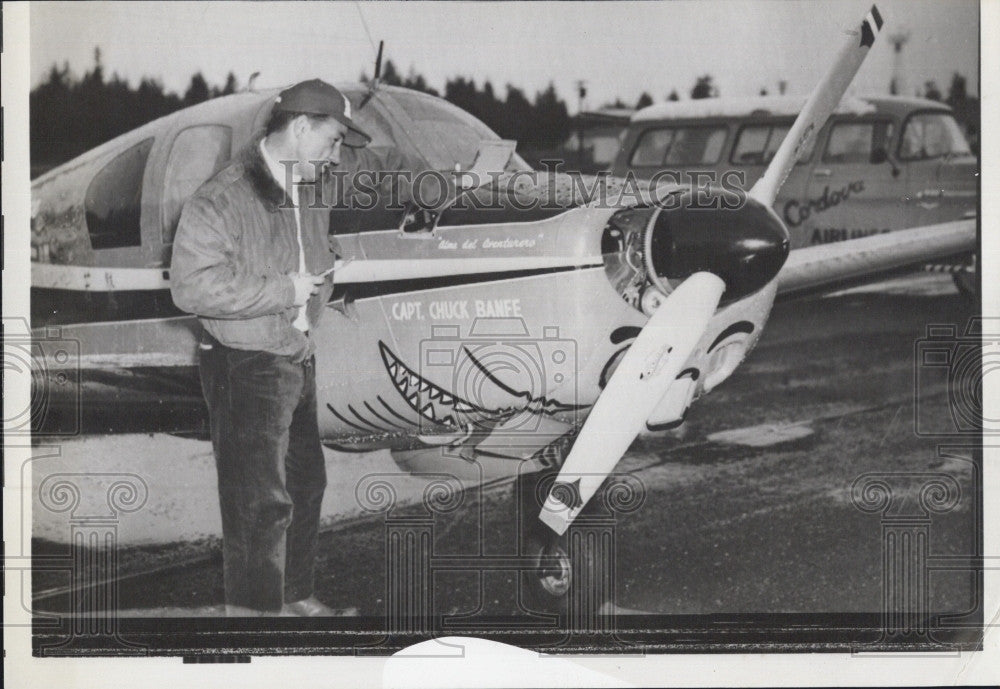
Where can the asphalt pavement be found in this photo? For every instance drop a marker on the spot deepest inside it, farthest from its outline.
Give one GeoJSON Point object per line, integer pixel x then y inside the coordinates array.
{"type": "Point", "coordinates": [751, 507]}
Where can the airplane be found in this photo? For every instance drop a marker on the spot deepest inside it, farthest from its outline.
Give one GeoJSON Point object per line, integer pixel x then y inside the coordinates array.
{"type": "Point", "coordinates": [532, 330]}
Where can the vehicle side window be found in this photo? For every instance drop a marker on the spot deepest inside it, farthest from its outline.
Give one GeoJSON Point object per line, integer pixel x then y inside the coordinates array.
{"type": "Point", "coordinates": [750, 145]}
{"type": "Point", "coordinates": [679, 146]}
{"type": "Point", "coordinates": [778, 135]}
{"type": "Point", "coordinates": [652, 147]}
{"type": "Point", "coordinates": [930, 135]}
{"type": "Point", "coordinates": [113, 202]}
{"type": "Point", "coordinates": [857, 142]}
{"type": "Point", "coordinates": [696, 145]}
{"type": "Point", "coordinates": [756, 144]}
{"type": "Point", "coordinates": [195, 156]}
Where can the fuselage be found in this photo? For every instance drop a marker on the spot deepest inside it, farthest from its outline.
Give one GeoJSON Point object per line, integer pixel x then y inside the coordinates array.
{"type": "Point", "coordinates": [517, 354]}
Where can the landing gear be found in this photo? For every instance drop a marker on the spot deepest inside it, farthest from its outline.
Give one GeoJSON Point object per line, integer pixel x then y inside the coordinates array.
{"type": "Point", "coordinates": [545, 583]}
{"type": "Point", "coordinates": [554, 570]}
{"type": "Point", "coordinates": [552, 566]}
{"type": "Point", "coordinates": [967, 281]}
{"type": "Point", "coordinates": [967, 286]}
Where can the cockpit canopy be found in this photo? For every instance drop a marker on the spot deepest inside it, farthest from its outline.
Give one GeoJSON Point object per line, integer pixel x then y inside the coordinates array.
{"type": "Point", "coordinates": [124, 198]}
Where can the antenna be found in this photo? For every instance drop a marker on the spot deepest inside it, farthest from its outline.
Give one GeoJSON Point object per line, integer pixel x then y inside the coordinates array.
{"type": "Point", "coordinates": [252, 81]}
{"type": "Point", "coordinates": [373, 84]}
{"type": "Point", "coordinates": [378, 65]}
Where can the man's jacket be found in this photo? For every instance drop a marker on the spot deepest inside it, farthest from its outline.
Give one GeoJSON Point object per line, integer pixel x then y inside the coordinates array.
{"type": "Point", "coordinates": [234, 248]}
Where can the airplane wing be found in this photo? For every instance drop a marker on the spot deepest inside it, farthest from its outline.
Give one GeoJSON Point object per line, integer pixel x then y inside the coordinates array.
{"type": "Point", "coordinates": [841, 264]}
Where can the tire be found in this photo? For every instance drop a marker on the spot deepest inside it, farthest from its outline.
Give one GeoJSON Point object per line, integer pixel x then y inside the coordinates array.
{"type": "Point", "coordinates": [967, 286]}
{"type": "Point", "coordinates": [967, 280]}
{"type": "Point", "coordinates": [547, 579]}
{"type": "Point", "coordinates": [551, 575]}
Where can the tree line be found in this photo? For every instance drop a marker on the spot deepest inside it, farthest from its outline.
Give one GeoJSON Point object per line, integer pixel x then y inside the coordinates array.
{"type": "Point", "coordinates": [965, 107]}
{"type": "Point", "coordinates": [70, 115]}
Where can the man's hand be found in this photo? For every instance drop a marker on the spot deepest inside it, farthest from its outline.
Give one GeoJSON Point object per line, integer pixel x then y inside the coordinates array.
{"type": "Point", "coordinates": [306, 285]}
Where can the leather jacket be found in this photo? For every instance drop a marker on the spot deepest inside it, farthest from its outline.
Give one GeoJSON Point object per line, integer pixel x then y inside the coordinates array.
{"type": "Point", "coordinates": [235, 245]}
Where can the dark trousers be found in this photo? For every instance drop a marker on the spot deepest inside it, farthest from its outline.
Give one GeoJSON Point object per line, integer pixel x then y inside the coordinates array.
{"type": "Point", "coordinates": [262, 409]}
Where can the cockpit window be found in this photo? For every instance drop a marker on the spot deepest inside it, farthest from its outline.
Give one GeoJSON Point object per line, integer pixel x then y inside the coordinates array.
{"type": "Point", "coordinates": [932, 135]}
{"type": "Point", "coordinates": [113, 202]}
{"type": "Point", "coordinates": [195, 156]}
{"type": "Point", "coordinates": [679, 146]}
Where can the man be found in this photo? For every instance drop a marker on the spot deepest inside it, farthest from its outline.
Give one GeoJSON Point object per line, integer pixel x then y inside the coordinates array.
{"type": "Point", "coordinates": [249, 259]}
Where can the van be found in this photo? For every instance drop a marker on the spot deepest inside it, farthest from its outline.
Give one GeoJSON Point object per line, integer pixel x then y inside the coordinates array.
{"type": "Point", "coordinates": [881, 163]}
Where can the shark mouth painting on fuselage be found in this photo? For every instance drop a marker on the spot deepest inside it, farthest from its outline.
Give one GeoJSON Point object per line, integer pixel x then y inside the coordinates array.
{"type": "Point", "coordinates": [446, 409]}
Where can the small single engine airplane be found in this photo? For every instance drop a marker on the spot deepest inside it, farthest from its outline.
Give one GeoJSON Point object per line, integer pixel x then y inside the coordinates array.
{"type": "Point", "coordinates": [538, 329]}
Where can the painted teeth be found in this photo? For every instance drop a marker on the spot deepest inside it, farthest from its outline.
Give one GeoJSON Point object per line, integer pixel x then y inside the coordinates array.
{"type": "Point", "coordinates": [428, 410]}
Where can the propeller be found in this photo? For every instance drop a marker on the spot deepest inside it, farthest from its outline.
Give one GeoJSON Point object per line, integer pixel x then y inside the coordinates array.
{"type": "Point", "coordinates": [818, 107]}
{"type": "Point", "coordinates": [714, 255]}
{"type": "Point", "coordinates": [642, 378]}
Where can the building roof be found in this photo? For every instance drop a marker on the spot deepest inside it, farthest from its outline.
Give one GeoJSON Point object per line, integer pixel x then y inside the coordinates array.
{"type": "Point", "coordinates": [606, 116]}
{"type": "Point", "coordinates": [777, 105]}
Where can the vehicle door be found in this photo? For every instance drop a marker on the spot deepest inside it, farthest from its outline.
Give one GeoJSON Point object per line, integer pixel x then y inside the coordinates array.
{"type": "Point", "coordinates": [941, 171]}
{"type": "Point", "coordinates": [853, 189]}
{"type": "Point", "coordinates": [753, 149]}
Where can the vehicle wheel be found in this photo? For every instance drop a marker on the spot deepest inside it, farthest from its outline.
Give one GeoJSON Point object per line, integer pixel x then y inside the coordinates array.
{"type": "Point", "coordinates": [552, 567]}
{"type": "Point", "coordinates": [546, 581]}
{"type": "Point", "coordinates": [965, 281]}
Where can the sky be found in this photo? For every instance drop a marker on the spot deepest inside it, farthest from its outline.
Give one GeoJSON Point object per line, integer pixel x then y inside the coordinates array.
{"type": "Point", "coordinates": [619, 48]}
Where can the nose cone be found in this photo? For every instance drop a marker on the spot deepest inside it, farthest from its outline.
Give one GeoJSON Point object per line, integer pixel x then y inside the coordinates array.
{"type": "Point", "coordinates": [745, 246]}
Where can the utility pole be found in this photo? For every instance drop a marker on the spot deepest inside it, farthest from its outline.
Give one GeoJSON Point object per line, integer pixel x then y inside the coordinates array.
{"type": "Point", "coordinates": [581, 93]}
{"type": "Point", "coordinates": [898, 40]}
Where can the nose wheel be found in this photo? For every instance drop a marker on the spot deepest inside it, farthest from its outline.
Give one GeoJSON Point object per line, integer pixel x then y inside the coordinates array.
{"type": "Point", "coordinates": [553, 569]}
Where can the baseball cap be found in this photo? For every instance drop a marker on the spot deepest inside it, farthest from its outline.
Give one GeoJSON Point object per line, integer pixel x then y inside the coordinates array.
{"type": "Point", "coordinates": [316, 97]}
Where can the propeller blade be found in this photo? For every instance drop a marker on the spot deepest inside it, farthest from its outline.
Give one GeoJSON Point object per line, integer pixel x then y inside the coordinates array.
{"type": "Point", "coordinates": [642, 378]}
{"type": "Point", "coordinates": [818, 107]}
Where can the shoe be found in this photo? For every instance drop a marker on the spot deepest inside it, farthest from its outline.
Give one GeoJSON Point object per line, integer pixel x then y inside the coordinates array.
{"type": "Point", "coordinates": [311, 607]}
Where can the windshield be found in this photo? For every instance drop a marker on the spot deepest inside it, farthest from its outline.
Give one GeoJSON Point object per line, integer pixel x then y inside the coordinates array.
{"type": "Point", "coordinates": [932, 135]}
{"type": "Point", "coordinates": [679, 146]}
{"type": "Point", "coordinates": [445, 134]}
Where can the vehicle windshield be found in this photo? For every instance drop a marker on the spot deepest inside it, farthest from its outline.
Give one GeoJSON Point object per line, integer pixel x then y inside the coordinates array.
{"type": "Point", "coordinates": [696, 145]}
{"type": "Point", "coordinates": [932, 135]}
